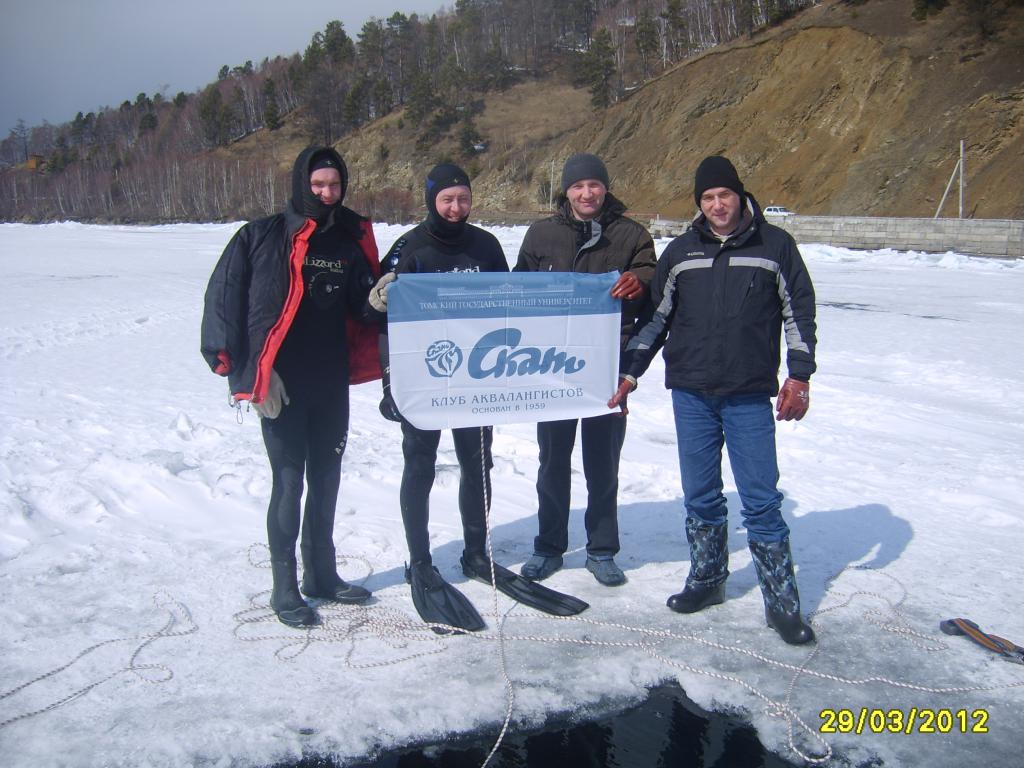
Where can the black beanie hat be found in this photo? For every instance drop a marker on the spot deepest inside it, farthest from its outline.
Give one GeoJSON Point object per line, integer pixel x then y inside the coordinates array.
{"type": "Point", "coordinates": [441, 177]}
{"type": "Point", "coordinates": [583, 166]}
{"type": "Point", "coordinates": [716, 171]}
{"type": "Point", "coordinates": [303, 200]}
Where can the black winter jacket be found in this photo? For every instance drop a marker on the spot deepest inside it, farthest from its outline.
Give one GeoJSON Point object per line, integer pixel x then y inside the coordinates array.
{"type": "Point", "coordinates": [254, 293]}
{"type": "Point", "coordinates": [719, 308]}
{"type": "Point", "coordinates": [617, 243]}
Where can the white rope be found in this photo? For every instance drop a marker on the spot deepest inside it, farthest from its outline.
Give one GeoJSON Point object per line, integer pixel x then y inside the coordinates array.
{"type": "Point", "coordinates": [177, 612]}
{"type": "Point", "coordinates": [510, 692]}
{"type": "Point", "coordinates": [350, 623]}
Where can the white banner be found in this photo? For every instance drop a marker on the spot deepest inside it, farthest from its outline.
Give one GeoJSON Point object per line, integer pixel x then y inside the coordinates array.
{"type": "Point", "coordinates": [471, 349]}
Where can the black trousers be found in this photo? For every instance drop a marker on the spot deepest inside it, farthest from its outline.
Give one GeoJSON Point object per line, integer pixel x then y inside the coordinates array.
{"type": "Point", "coordinates": [602, 438]}
{"type": "Point", "coordinates": [307, 439]}
{"type": "Point", "coordinates": [419, 447]}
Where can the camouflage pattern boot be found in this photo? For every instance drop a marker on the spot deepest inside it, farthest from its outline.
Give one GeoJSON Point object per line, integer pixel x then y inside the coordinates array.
{"type": "Point", "coordinates": [774, 564]}
{"type": "Point", "coordinates": [709, 567]}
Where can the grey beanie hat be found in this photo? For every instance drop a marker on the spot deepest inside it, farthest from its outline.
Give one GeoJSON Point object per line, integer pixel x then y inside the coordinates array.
{"type": "Point", "coordinates": [583, 166]}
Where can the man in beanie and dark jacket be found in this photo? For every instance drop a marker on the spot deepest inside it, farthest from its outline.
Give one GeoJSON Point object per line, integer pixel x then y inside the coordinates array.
{"type": "Point", "coordinates": [443, 242]}
{"type": "Point", "coordinates": [282, 323]}
{"type": "Point", "coordinates": [721, 297]}
{"type": "Point", "coordinates": [588, 233]}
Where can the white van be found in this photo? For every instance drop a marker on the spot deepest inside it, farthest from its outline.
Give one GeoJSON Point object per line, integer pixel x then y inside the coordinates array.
{"type": "Point", "coordinates": [777, 210]}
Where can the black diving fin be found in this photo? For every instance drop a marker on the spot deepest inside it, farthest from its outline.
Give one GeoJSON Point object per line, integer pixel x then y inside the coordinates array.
{"type": "Point", "coordinates": [518, 588]}
{"type": "Point", "coordinates": [438, 602]}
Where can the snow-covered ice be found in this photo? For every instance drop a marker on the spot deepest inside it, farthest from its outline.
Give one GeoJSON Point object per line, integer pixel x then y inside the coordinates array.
{"type": "Point", "coordinates": [132, 511]}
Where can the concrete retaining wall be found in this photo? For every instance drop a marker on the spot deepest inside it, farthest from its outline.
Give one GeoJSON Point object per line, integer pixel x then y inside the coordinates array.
{"type": "Point", "coordinates": [1003, 238]}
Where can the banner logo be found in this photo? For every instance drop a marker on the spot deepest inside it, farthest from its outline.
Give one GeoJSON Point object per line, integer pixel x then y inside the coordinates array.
{"type": "Point", "coordinates": [496, 355]}
{"type": "Point", "coordinates": [443, 359]}
{"type": "Point", "coordinates": [485, 348]}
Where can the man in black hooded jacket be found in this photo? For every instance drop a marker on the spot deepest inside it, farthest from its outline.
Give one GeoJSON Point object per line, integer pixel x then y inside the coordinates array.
{"type": "Point", "coordinates": [281, 321]}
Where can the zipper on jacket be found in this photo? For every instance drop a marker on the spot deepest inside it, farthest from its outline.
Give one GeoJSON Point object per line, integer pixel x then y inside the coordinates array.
{"type": "Point", "coordinates": [595, 238]}
{"type": "Point", "coordinates": [291, 305]}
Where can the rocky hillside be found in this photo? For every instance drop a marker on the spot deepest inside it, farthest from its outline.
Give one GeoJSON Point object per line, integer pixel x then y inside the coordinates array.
{"type": "Point", "coordinates": [844, 109]}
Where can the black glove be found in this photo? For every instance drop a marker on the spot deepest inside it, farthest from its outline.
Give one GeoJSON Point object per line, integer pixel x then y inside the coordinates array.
{"type": "Point", "coordinates": [387, 406]}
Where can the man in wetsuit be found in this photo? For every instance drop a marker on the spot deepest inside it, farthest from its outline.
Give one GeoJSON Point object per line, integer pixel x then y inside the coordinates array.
{"type": "Point", "coordinates": [443, 242]}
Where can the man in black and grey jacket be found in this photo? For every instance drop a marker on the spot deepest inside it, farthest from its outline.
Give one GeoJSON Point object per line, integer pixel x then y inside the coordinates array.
{"type": "Point", "coordinates": [721, 296]}
{"type": "Point", "coordinates": [589, 233]}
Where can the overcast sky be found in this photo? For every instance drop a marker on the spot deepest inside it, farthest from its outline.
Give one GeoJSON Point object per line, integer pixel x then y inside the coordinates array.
{"type": "Point", "coordinates": [59, 57]}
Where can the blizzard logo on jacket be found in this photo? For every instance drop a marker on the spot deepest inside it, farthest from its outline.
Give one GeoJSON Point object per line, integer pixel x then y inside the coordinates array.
{"type": "Point", "coordinates": [496, 354]}
{"type": "Point", "coordinates": [334, 265]}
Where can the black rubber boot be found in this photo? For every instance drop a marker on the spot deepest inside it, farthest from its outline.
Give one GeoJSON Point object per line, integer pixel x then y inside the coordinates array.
{"type": "Point", "coordinates": [709, 567]}
{"type": "Point", "coordinates": [475, 562]}
{"type": "Point", "coordinates": [320, 577]}
{"type": "Point", "coordinates": [285, 599]}
{"type": "Point", "coordinates": [474, 534]}
{"type": "Point", "coordinates": [774, 564]}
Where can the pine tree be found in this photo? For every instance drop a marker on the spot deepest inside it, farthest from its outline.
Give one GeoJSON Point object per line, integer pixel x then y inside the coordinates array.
{"type": "Point", "coordinates": [983, 16]}
{"type": "Point", "coordinates": [20, 134]}
{"type": "Point", "coordinates": [925, 8]}
{"type": "Point", "coordinates": [78, 130]}
{"type": "Point", "coordinates": [61, 157]}
{"type": "Point", "coordinates": [421, 98]}
{"type": "Point", "coordinates": [147, 123]}
{"type": "Point", "coordinates": [469, 137]}
{"type": "Point", "coordinates": [337, 45]}
{"type": "Point", "coordinates": [744, 16]}
{"type": "Point", "coordinates": [598, 69]}
{"type": "Point", "coordinates": [356, 109]}
{"type": "Point", "coordinates": [271, 112]}
{"type": "Point", "coordinates": [214, 117]}
{"type": "Point", "coordinates": [646, 41]}
{"type": "Point", "coordinates": [675, 29]}
{"type": "Point", "coordinates": [383, 101]}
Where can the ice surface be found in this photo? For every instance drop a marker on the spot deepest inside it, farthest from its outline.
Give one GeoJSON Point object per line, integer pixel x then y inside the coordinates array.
{"type": "Point", "coordinates": [132, 515]}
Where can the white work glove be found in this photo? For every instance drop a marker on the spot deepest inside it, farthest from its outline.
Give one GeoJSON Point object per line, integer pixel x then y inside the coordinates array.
{"type": "Point", "coordinates": [271, 406]}
{"type": "Point", "coordinates": [379, 293]}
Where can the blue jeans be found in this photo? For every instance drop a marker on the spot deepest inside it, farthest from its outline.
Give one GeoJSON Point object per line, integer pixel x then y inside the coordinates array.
{"type": "Point", "coordinates": [746, 425]}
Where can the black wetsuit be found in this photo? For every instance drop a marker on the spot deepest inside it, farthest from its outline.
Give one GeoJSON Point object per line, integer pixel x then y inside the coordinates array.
{"type": "Point", "coordinates": [309, 436]}
{"type": "Point", "coordinates": [423, 249]}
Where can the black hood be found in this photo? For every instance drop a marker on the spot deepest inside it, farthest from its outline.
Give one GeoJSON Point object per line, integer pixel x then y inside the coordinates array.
{"type": "Point", "coordinates": [303, 201]}
{"type": "Point", "coordinates": [441, 177]}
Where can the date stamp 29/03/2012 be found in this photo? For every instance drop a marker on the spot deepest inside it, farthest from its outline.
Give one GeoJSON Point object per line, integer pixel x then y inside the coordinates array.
{"type": "Point", "coordinates": [913, 720]}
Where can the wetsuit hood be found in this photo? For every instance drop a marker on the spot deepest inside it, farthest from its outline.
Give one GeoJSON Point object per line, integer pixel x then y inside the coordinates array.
{"type": "Point", "coordinates": [303, 201]}
{"type": "Point", "coordinates": [440, 178]}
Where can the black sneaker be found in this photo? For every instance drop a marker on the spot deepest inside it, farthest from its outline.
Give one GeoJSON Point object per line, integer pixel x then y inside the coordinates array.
{"type": "Point", "coordinates": [606, 571]}
{"type": "Point", "coordinates": [539, 567]}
